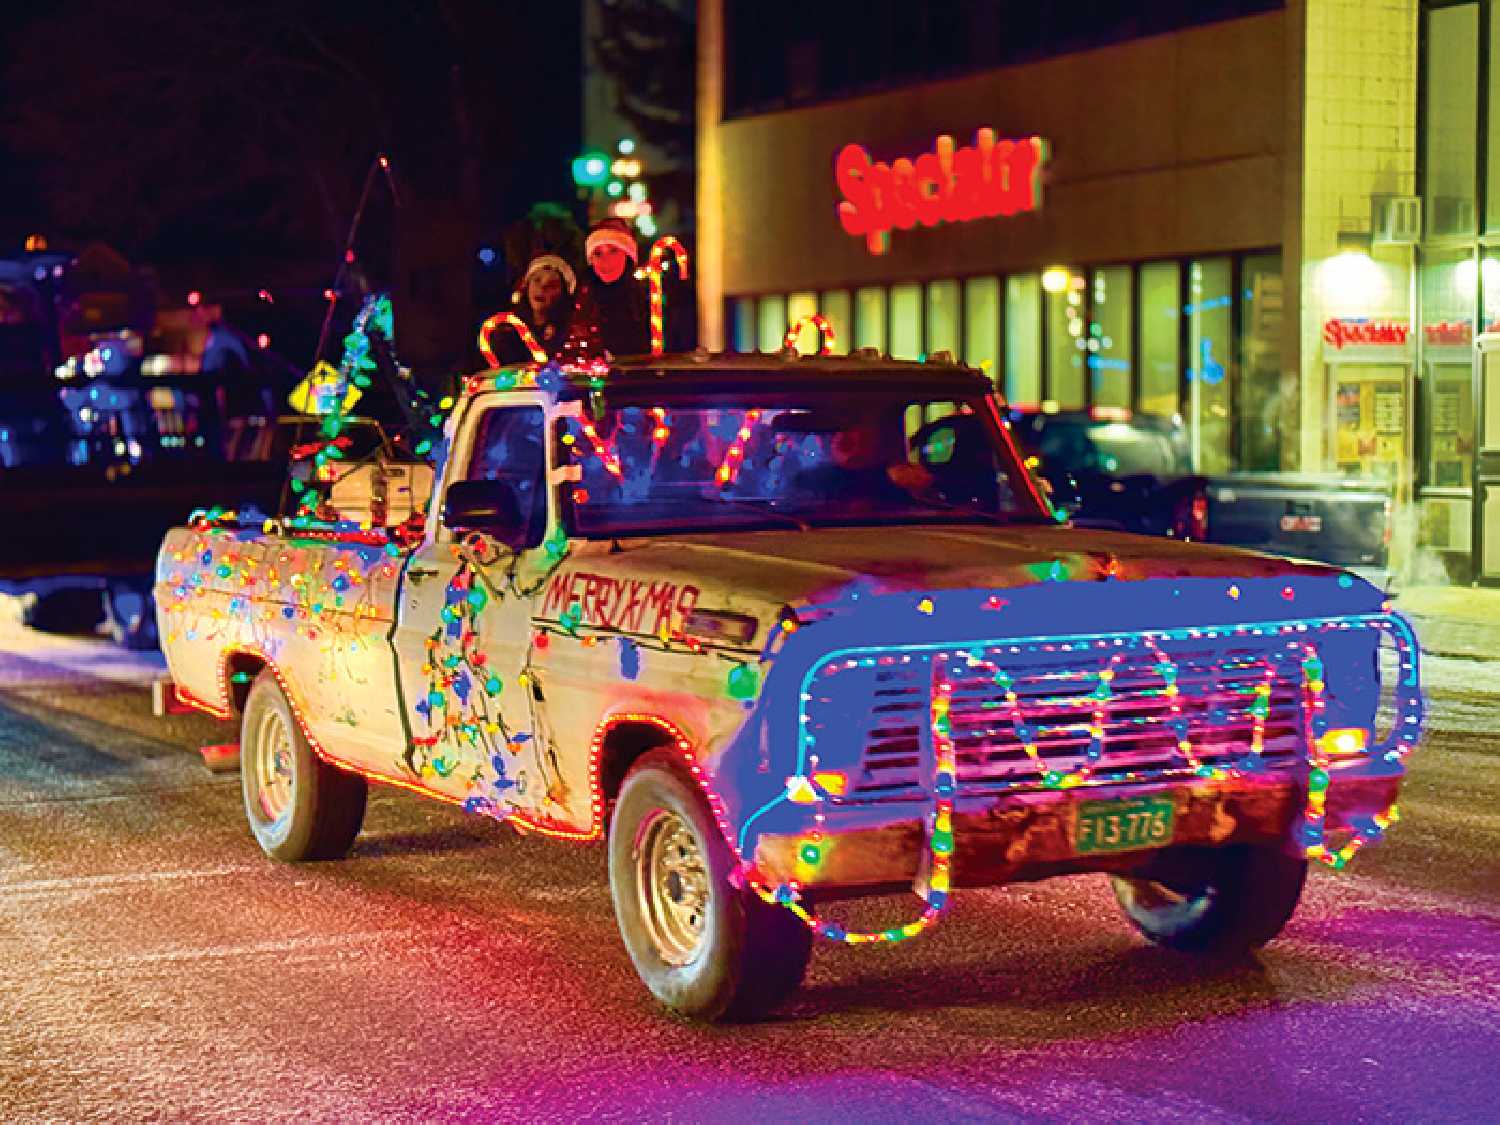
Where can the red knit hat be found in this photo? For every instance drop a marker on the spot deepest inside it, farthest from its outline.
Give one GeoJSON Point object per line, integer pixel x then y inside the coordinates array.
{"type": "Point", "coordinates": [612, 232]}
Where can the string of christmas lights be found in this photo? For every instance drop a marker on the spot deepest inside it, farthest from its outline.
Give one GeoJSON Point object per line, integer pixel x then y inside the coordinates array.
{"type": "Point", "coordinates": [1394, 748]}
{"type": "Point", "coordinates": [939, 837]}
{"type": "Point", "coordinates": [464, 719]}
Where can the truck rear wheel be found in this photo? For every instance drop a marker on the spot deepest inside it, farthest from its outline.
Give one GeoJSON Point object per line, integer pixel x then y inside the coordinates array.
{"type": "Point", "coordinates": [704, 947]}
{"type": "Point", "coordinates": [1225, 900]}
{"type": "Point", "coordinates": [299, 807]}
{"type": "Point", "coordinates": [67, 610]}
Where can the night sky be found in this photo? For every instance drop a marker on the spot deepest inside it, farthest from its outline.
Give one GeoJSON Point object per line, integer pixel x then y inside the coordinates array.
{"type": "Point", "coordinates": [225, 144]}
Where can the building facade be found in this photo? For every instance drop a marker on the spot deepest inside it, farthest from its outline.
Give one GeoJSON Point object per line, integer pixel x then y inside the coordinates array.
{"type": "Point", "coordinates": [1268, 218]}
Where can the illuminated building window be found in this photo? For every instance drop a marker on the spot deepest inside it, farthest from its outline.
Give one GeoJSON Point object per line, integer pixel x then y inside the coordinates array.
{"type": "Point", "coordinates": [773, 323]}
{"type": "Point", "coordinates": [1210, 362]}
{"type": "Point", "coordinates": [779, 54]}
{"type": "Point", "coordinates": [1160, 330]}
{"type": "Point", "coordinates": [799, 305]}
{"type": "Point", "coordinates": [869, 318]}
{"type": "Point", "coordinates": [906, 321]}
{"type": "Point", "coordinates": [1451, 119]}
{"type": "Point", "coordinates": [742, 323]}
{"type": "Point", "coordinates": [1065, 302]}
{"type": "Point", "coordinates": [1108, 336]}
{"type": "Point", "coordinates": [1263, 415]}
{"type": "Point", "coordinates": [982, 324]}
{"type": "Point", "coordinates": [1492, 120]}
{"type": "Point", "coordinates": [1450, 296]}
{"type": "Point", "coordinates": [942, 318]}
{"type": "Point", "coordinates": [1023, 339]}
{"type": "Point", "coordinates": [840, 313]}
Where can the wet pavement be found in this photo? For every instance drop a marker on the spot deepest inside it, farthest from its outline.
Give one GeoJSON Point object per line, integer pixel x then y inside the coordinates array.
{"type": "Point", "coordinates": [154, 966]}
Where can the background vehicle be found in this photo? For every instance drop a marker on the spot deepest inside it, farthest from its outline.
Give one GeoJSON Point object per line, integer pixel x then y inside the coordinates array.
{"type": "Point", "coordinates": [1343, 522]}
{"type": "Point", "coordinates": [129, 455]}
{"type": "Point", "coordinates": [1112, 468]}
{"type": "Point", "coordinates": [117, 419]}
{"type": "Point", "coordinates": [1117, 469]}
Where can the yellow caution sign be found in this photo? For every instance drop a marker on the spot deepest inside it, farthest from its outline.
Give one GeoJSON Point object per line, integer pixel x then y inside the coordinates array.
{"type": "Point", "coordinates": [318, 392]}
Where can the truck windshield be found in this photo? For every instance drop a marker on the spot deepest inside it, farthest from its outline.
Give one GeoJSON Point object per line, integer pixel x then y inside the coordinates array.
{"type": "Point", "coordinates": [864, 456]}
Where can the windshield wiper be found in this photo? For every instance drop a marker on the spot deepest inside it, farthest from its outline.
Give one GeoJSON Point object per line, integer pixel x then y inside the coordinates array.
{"type": "Point", "coordinates": [763, 507]}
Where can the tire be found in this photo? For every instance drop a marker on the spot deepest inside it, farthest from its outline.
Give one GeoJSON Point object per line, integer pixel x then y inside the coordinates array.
{"type": "Point", "coordinates": [68, 610]}
{"type": "Point", "coordinates": [299, 807]}
{"type": "Point", "coordinates": [1223, 901]}
{"type": "Point", "coordinates": [130, 613]}
{"type": "Point", "coordinates": [703, 947]}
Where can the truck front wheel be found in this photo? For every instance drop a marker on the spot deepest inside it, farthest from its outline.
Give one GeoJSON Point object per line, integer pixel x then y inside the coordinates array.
{"type": "Point", "coordinates": [1224, 901]}
{"type": "Point", "coordinates": [704, 947]}
{"type": "Point", "coordinates": [299, 806]}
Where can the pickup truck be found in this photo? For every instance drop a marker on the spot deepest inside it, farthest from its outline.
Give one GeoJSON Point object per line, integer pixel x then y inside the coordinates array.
{"type": "Point", "coordinates": [788, 630]}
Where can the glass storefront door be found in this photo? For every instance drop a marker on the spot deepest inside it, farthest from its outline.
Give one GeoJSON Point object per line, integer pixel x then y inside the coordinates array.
{"type": "Point", "coordinates": [1369, 419]}
{"type": "Point", "coordinates": [1487, 462]}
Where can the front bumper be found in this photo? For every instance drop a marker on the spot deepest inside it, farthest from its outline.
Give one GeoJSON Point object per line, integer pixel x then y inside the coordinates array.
{"type": "Point", "coordinates": [1021, 837]}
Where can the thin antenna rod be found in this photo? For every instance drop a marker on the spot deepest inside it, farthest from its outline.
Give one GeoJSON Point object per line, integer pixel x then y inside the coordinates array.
{"type": "Point", "coordinates": [381, 163]}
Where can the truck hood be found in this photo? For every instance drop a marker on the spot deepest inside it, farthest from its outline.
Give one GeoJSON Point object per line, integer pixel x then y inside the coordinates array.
{"type": "Point", "coordinates": [817, 566]}
{"type": "Point", "coordinates": [758, 573]}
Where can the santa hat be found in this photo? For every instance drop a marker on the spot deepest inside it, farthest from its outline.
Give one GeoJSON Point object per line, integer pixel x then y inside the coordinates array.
{"type": "Point", "coordinates": [612, 232]}
{"type": "Point", "coordinates": [549, 262]}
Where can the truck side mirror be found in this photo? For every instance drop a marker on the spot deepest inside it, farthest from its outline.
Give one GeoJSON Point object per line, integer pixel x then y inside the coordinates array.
{"type": "Point", "coordinates": [489, 506]}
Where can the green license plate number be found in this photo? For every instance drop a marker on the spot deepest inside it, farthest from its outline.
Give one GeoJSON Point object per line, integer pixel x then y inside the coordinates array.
{"type": "Point", "coordinates": [1122, 826]}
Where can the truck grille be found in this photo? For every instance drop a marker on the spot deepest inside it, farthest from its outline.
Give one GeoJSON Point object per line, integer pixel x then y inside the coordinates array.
{"type": "Point", "coordinates": [1058, 700]}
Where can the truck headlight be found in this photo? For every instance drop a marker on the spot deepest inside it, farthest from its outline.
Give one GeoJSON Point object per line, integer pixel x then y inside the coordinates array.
{"type": "Point", "coordinates": [1343, 742]}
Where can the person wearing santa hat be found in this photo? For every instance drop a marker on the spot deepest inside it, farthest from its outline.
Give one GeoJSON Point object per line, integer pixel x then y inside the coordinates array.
{"type": "Point", "coordinates": [613, 304]}
{"type": "Point", "coordinates": [544, 300]}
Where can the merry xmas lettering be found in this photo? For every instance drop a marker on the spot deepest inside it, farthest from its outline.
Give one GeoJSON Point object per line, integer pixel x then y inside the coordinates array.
{"type": "Point", "coordinates": [627, 604]}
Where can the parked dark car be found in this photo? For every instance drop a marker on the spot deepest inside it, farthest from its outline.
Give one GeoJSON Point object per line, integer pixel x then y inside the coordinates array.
{"type": "Point", "coordinates": [93, 472]}
{"type": "Point", "coordinates": [1327, 518]}
{"type": "Point", "coordinates": [1113, 469]}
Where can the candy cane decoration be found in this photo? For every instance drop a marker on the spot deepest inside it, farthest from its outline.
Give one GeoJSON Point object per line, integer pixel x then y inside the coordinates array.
{"type": "Point", "coordinates": [655, 268]}
{"type": "Point", "coordinates": [818, 321]}
{"type": "Point", "coordinates": [510, 320]}
{"type": "Point", "coordinates": [734, 456]}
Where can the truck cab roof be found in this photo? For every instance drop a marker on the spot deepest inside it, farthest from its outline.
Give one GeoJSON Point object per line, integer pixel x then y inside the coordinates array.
{"type": "Point", "coordinates": [727, 372]}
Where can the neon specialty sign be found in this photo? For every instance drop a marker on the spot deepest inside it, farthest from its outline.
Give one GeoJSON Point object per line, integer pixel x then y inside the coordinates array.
{"type": "Point", "coordinates": [1339, 332]}
{"type": "Point", "coordinates": [989, 178]}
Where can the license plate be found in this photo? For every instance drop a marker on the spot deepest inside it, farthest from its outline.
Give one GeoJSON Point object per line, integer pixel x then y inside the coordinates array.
{"type": "Point", "coordinates": [1302, 523]}
{"type": "Point", "coordinates": [1122, 826]}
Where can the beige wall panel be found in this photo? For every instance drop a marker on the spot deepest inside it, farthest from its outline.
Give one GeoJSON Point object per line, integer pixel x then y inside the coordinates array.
{"type": "Point", "coordinates": [1162, 146]}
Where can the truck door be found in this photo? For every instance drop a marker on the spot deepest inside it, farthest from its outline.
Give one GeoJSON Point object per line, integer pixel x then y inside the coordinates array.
{"type": "Point", "coordinates": [463, 623]}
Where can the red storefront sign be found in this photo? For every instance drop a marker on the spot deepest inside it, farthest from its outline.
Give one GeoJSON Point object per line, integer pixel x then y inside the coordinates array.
{"type": "Point", "coordinates": [947, 185]}
{"type": "Point", "coordinates": [1449, 333]}
{"type": "Point", "coordinates": [1382, 333]}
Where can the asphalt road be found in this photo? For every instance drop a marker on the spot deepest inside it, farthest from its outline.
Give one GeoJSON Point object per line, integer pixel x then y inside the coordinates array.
{"type": "Point", "coordinates": [154, 966]}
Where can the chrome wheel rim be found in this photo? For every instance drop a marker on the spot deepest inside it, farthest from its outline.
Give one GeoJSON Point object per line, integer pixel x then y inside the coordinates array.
{"type": "Point", "coordinates": [274, 773]}
{"type": "Point", "coordinates": [672, 879]}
